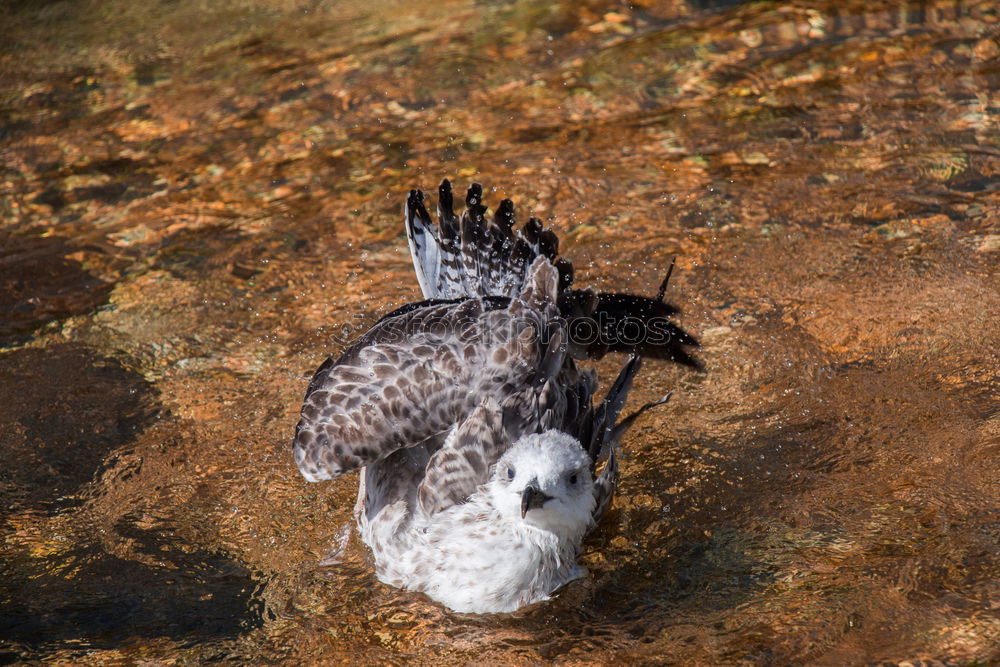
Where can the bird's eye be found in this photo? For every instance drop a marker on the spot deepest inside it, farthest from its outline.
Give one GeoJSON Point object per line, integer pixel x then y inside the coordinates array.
{"type": "Point", "coordinates": [510, 473]}
{"type": "Point", "coordinates": [572, 479]}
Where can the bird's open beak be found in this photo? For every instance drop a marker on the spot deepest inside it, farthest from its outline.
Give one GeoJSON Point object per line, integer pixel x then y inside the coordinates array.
{"type": "Point", "coordinates": [531, 499]}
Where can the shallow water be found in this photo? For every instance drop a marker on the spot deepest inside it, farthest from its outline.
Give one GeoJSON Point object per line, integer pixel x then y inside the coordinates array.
{"type": "Point", "coordinates": [202, 200]}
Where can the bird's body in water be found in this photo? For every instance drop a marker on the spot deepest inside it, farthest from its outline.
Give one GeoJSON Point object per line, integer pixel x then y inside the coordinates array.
{"type": "Point", "coordinates": [476, 433]}
{"type": "Point", "coordinates": [514, 541]}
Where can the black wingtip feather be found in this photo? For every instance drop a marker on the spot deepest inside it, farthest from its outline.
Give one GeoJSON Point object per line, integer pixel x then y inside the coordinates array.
{"type": "Point", "coordinates": [446, 201]}
{"type": "Point", "coordinates": [414, 199]}
{"type": "Point", "coordinates": [605, 416]}
{"type": "Point", "coordinates": [416, 210]}
{"type": "Point", "coordinates": [548, 243]}
{"type": "Point", "coordinates": [639, 325]}
{"type": "Point", "coordinates": [565, 269]}
{"type": "Point", "coordinates": [532, 228]}
{"type": "Point", "coordinates": [504, 216]}
{"type": "Point", "coordinates": [474, 199]}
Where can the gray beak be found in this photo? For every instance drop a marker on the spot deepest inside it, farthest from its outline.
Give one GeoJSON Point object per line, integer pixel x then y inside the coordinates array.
{"type": "Point", "coordinates": [532, 498]}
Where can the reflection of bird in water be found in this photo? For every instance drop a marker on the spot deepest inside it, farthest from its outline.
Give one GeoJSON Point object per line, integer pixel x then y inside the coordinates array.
{"type": "Point", "coordinates": [475, 431]}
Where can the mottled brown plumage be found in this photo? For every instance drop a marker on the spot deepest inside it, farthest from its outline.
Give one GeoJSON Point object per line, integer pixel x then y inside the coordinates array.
{"type": "Point", "coordinates": [439, 395]}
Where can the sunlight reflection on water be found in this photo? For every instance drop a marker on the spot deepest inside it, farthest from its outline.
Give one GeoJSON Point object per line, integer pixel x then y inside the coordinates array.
{"type": "Point", "coordinates": [198, 199]}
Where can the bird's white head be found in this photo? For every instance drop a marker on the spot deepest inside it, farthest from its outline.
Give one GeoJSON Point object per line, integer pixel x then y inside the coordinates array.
{"type": "Point", "coordinates": [544, 481]}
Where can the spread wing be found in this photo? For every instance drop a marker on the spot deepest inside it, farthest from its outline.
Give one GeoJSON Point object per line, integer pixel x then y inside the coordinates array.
{"type": "Point", "coordinates": [472, 255]}
{"type": "Point", "coordinates": [415, 375]}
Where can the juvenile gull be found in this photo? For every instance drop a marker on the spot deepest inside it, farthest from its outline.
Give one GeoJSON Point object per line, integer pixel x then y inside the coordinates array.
{"type": "Point", "coordinates": [475, 432]}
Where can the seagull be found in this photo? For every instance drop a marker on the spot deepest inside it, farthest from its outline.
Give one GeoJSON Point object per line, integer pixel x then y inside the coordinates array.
{"type": "Point", "coordinates": [484, 457]}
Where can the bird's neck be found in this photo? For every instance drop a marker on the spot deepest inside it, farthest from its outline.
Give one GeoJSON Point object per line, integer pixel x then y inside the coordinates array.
{"type": "Point", "coordinates": [563, 542]}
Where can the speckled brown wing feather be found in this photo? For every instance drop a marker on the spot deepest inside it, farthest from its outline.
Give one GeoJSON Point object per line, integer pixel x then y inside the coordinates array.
{"type": "Point", "coordinates": [463, 463]}
{"type": "Point", "coordinates": [408, 379]}
{"type": "Point", "coordinates": [417, 374]}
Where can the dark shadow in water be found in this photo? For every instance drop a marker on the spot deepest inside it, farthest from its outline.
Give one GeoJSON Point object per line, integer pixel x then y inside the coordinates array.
{"type": "Point", "coordinates": [64, 409]}
{"type": "Point", "coordinates": [28, 5]}
{"type": "Point", "coordinates": [641, 599]}
{"type": "Point", "coordinates": [715, 4]}
{"type": "Point", "coordinates": [708, 562]}
{"type": "Point", "coordinates": [39, 284]}
{"type": "Point", "coordinates": [685, 578]}
{"type": "Point", "coordinates": [92, 599]}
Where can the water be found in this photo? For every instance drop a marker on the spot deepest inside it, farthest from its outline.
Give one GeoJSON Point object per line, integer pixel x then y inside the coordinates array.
{"type": "Point", "coordinates": [201, 201]}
